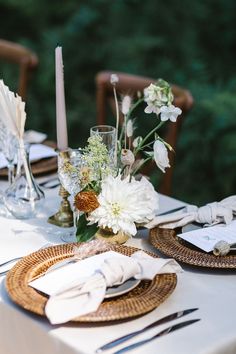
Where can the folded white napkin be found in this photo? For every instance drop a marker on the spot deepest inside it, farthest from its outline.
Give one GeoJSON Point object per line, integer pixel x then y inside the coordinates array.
{"type": "Point", "coordinates": [208, 215]}
{"type": "Point", "coordinates": [34, 137]}
{"type": "Point", "coordinates": [84, 295]}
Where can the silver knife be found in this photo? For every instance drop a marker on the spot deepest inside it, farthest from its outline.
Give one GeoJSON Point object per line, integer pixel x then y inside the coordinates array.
{"type": "Point", "coordinates": [160, 334]}
{"type": "Point", "coordinates": [165, 319]}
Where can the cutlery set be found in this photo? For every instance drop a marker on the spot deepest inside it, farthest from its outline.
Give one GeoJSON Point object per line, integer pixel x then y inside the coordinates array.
{"type": "Point", "coordinates": [167, 330]}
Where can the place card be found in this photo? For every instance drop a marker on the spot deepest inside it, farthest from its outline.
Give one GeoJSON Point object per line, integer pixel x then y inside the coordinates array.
{"type": "Point", "coordinates": [206, 237]}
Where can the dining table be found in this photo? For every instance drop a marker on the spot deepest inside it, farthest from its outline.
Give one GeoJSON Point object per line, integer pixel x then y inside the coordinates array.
{"type": "Point", "coordinates": [212, 291]}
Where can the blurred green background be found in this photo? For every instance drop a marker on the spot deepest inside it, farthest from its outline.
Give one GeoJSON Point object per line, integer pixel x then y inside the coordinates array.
{"type": "Point", "coordinates": [191, 44]}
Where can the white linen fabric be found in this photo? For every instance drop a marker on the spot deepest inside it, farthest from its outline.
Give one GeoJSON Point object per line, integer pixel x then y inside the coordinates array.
{"type": "Point", "coordinates": [208, 215]}
{"type": "Point", "coordinates": [22, 332]}
{"type": "Point", "coordinates": [83, 296]}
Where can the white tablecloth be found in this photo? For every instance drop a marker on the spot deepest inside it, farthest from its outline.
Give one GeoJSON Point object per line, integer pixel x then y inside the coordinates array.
{"type": "Point", "coordinates": [212, 291]}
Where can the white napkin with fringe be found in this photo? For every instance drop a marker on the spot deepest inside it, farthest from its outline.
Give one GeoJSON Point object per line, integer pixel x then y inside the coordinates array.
{"type": "Point", "coordinates": [208, 215]}
{"type": "Point", "coordinates": [84, 295]}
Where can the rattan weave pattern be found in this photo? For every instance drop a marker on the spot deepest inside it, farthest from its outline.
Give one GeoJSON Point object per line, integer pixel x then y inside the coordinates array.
{"type": "Point", "coordinates": [144, 298]}
{"type": "Point", "coordinates": [166, 241]}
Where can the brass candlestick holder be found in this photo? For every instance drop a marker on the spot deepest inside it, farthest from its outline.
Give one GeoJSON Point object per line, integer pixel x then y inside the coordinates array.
{"type": "Point", "coordinates": [64, 216]}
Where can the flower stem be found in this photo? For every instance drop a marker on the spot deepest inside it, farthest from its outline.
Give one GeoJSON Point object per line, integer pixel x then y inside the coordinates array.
{"type": "Point", "coordinates": [144, 161]}
{"type": "Point", "coordinates": [148, 136]}
{"type": "Point", "coordinates": [117, 122]}
{"type": "Point", "coordinates": [125, 125]}
{"type": "Point", "coordinates": [134, 106]}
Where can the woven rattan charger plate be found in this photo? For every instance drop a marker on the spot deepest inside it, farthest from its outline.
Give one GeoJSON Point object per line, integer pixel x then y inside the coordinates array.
{"type": "Point", "coordinates": [144, 298]}
{"type": "Point", "coordinates": [166, 241]}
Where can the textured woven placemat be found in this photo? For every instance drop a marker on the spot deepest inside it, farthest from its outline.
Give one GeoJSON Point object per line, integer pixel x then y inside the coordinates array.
{"type": "Point", "coordinates": [144, 298]}
{"type": "Point", "coordinates": [166, 241]}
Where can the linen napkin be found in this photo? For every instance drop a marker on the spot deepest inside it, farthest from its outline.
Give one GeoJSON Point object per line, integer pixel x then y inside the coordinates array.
{"type": "Point", "coordinates": [84, 295]}
{"type": "Point", "coordinates": [34, 137]}
{"type": "Point", "coordinates": [208, 215]}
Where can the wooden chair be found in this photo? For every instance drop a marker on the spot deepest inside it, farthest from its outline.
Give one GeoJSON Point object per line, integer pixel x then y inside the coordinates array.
{"type": "Point", "coordinates": [131, 84]}
{"type": "Point", "coordinates": [26, 59]}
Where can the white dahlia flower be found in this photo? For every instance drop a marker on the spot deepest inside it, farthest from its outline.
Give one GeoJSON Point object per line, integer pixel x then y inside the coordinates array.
{"type": "Point", "coordinates": [122, 204]}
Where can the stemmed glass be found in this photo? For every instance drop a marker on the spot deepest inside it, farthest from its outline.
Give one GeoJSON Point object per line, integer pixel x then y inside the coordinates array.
{"type": "Point", "coordinates": [108, 135]}
{"type": "Point", "coordinates": [70, 163]}
{"type": "Point", "coordinates": [8, 144]}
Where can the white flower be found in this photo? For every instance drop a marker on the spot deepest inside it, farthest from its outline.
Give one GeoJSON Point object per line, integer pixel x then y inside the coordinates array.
{"type": "Point", "coordinates": [170, 113]}
{"type": "Point", "coordinates": [151, 108]}
{"type": "Point", "coordinates": [157, 95]}
{"type": "Point", "coordinates": [129, 128]}
{"type": "Point", "coordinates": [161, 155]}
{"type": "Point", "coordinates": [114, 79]}
{"type": "Point", "coordinates": [125, 105]}
{"type": "Point", "coordinates": [150, 197]}
{"type": "Point", "coordinates": [124, 203]}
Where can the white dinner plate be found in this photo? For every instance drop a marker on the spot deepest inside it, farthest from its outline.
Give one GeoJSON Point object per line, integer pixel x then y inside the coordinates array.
{"type": "Point", "coordinates": [122, 288]}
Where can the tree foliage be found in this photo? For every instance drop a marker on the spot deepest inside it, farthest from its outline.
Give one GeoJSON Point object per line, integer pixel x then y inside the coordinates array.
{"type": "Point", "coordinates": [190, 44]}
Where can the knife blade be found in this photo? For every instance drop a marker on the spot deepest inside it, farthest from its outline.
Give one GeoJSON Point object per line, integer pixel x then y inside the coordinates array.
{"type": "Point", "coordinates": [165, 319]}
{"type": "Point", "coordinates": [160, 334]}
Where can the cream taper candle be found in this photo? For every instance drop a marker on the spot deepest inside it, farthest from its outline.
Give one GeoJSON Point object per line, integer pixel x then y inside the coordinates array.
{"type": "Point", "coordinates": [62, 139]}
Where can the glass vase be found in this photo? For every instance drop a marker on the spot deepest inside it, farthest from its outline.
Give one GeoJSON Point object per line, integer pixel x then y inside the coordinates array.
{"type": "Point", "coordinates": [23, 197]}
{"type": "Point", "coordinates": [108, 135]}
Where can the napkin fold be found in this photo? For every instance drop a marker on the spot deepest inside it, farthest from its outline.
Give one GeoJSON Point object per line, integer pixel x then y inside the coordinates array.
{"type": "Point", "coordinates": [208, 215]}
{"type": "Point", "coordinates": [34, 137]}
{"type": "Point", "coordinates": [84, 295]}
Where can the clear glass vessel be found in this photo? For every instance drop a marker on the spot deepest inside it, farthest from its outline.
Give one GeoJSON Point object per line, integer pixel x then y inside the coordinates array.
{"type": "Point", "coordinates": [8, 145]}
{"type": "Point", "coordinates": [70, 163]}
{"type": "Point", "coordinates": [23, 197]}
{"type": "Point", "coordinates": [108, 135]}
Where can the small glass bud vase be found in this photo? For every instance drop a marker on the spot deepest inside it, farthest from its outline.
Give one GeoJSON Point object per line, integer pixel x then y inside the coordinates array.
{"type": "Point", "coordinates": [24, 197]}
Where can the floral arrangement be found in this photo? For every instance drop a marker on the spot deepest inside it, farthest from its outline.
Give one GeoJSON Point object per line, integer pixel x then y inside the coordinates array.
{"type": "Point", "coordinates": [111, 198]}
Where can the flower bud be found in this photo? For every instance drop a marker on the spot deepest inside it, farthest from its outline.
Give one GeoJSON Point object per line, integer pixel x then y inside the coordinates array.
{"type": "Point", "coordinates": [129, 129]}
{"type": "Point", "coordinates": [114, 79]}
{"type": "Point", "coordinates": [126, 103]}
{"type": "Point", "coordinates": [127, 157]}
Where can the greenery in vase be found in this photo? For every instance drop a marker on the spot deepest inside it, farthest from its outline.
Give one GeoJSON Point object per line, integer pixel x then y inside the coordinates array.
{"type": "Point", "coordinates": [111, 196]}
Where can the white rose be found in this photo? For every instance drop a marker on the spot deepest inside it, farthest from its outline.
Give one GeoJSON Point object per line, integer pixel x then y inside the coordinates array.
{"type": "Point", "coordinates": [161, 155]}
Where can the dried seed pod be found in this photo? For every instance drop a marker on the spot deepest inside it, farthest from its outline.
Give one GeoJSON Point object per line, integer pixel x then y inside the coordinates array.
{"type": "Point", "coordinates": [221, 248]}
{"type": "Point", "coordinates": [127, 157]}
